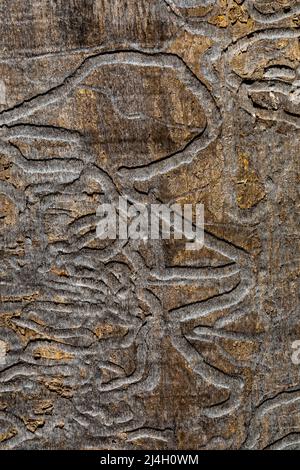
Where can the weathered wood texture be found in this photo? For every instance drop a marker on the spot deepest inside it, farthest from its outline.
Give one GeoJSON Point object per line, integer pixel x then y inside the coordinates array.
{"type": "Point", "coordinates": [107, 345]}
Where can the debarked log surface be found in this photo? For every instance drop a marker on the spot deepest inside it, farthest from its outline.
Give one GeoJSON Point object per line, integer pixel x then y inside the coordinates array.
{"type": "Point", "coordinates": [144, 344]}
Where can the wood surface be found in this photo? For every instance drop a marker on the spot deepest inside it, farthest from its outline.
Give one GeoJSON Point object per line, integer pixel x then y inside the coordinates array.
{"type": "Point", "coordinates": [113, 345]}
